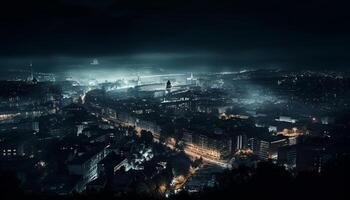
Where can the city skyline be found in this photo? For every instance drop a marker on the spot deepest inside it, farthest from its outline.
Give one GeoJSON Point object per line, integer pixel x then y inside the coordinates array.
{"type": "Point", "coordinates": [174, 99]}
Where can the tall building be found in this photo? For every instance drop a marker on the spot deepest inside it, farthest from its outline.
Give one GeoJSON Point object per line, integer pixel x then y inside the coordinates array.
{"type": "Point", "coordinates": [302, 157]}
{"type": "Point", "coordinates": [191, 80]}
{"type": "Point", "coordinates": [267, 148]}
{"type": "Point", "coordinates": [168, 86]}
{"type": "Point", "coordinates": [35, 126]}
{"type": "Point", "coordinates": [31, 76]}
{"type": "Point", "coordinates": [264, 148]}
{"type": "Point", "coordinates": [86, 167]}
{"type": "Point", "coordinates": [139, 81]}
{"type": "Point", "coordinates": [241, 142]}
{"type": "Point", "coordinates": [287, 156]}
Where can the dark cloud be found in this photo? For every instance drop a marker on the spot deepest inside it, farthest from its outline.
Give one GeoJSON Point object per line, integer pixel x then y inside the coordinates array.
{"type": "Point", "coordinates": [219, 33]}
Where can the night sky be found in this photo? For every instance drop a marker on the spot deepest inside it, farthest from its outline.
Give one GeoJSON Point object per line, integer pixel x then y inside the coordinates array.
{"type": "Point", "coordinates": [59, 35]}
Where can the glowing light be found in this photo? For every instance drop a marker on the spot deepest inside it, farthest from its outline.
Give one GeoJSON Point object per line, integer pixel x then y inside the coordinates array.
{"type": "Point", "coordinates": [42, 163]}
{"type": "Point", "coordinates": [290, 133]}
{"type": "Point", "coordinates": [8, 116]}
{"type": "Point", "coordinates": [162, 188]}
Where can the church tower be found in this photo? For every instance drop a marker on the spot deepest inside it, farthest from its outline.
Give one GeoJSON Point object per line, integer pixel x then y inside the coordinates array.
{"type": "Point", "coordinates": [168, 86]}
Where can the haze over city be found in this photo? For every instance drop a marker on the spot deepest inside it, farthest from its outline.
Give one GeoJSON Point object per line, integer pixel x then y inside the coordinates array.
{"type": "Point", "coordinates": [174, 99]}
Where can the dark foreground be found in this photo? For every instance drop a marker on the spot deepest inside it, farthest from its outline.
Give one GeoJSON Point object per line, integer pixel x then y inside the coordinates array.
{"type": "Point", "coordinates": [265, 181]}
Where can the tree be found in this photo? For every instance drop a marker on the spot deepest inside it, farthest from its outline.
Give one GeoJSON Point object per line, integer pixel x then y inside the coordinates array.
{"type": "Point", "coordinates": [146, 137]}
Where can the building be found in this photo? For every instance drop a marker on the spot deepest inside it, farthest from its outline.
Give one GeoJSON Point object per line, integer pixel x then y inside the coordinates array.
{"type": "Point", "coordinates": [110, 164]}
{"type": "Point", "coordinates": [168, 86]}
{"type": "Point", "coordinates": [35, 126]}
{"type": "Point", "coordinates": [203, 178]}
{"type": "Point", "coordinates": [241, 142]}
{"type": "Point", "coordinates": [85, 166]}
{"type": "Point", "coordinates": [217, 147]}
{"type": "Point", "coordinates": [191, 80]}
{"type": "Point", "coordinates": [267, 148]}
{"type": "Point", "coordinates": [302, 157]}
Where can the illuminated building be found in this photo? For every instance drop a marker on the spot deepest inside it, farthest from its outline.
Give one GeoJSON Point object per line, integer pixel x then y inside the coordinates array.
{"type": "Point", "coordinates": [203, 178]}
{"type": "Point", "coordinates": [241, 142]}
{"type": "Point", "coordinates": [13, 148]}
{"type": "Point", "coordinates": [263, 149]}
{"type": "Point", "coordinates": [286, 119]}
{"type": "Point", "coordinates": [213, 147]}
{"type": "Point", "coordinates": [191, 80]}
{"type": "Point", "coordinates": [85, 166]}
{"type": "Point", "coordinates": [267, 148]}
{"type": "Point", "coordinates": [110, 164]}
{"type": "Point", "coordinates": [290, 132]}
{"type": "Point", "coordinates": [9, 152]}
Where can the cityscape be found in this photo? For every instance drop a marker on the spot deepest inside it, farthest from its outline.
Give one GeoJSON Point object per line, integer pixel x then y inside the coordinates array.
{"type": "Point", "coordinates": [113, 123]}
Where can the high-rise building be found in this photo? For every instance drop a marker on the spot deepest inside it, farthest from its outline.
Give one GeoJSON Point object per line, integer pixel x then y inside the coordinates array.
{"type": "Point", "coordinates": [168, 86]}
{"type": "Point", "coordinates": [264, 149]}
{"type": "Point", "coordinates": [35, 126]}
{"type": "Point", "coordinates": [241, 142]}
{"type": "Point", "coordinates": [302, 157]}
{"type": "Point", "coordinates": [267, 148]}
